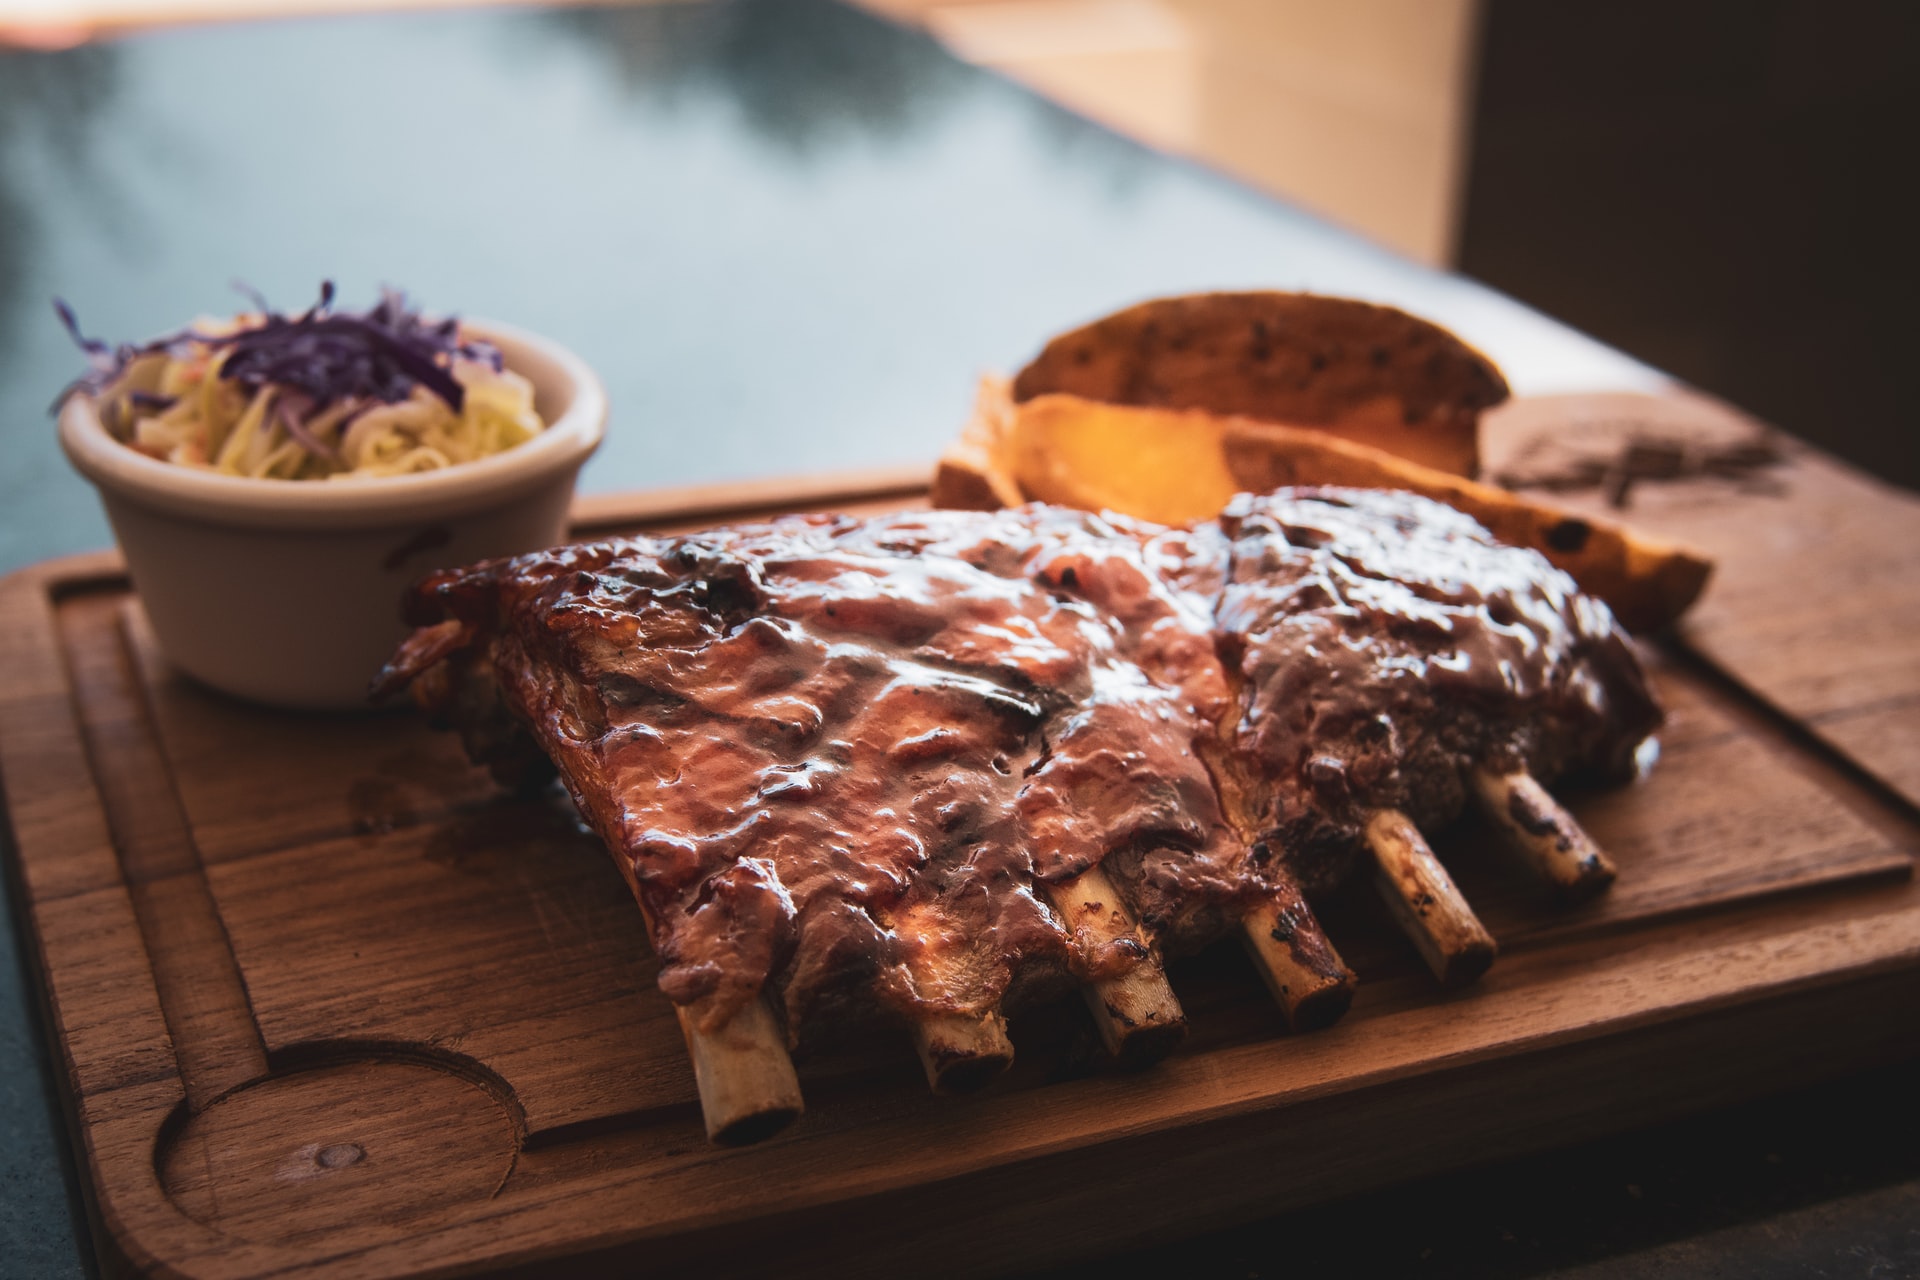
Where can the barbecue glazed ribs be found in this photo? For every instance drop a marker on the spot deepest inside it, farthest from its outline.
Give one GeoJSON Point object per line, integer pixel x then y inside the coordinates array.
{"type": "Point", "coordinates": [866, 761]}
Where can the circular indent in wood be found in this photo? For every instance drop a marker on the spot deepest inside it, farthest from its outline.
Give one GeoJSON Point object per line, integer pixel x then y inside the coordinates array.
{"type": "Point", "coordinates": [344, 1153]}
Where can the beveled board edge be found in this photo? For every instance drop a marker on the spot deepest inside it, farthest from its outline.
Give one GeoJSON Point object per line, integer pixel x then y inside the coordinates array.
{"type": "Point", "coordinates": [599, 514]}
{"type": "Point", "coordinates": [1249, 1122]}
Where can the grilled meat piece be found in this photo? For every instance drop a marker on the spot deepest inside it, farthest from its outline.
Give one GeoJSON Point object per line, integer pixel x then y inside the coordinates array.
{"type": "Point", "coordinates": [841, 759]}
{"type": "Point", "coordinates": [1381, 645]}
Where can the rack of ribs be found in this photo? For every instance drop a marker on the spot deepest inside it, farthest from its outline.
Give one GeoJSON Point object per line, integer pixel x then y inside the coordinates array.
{"type": "Point", "coordinates": [932, 764]}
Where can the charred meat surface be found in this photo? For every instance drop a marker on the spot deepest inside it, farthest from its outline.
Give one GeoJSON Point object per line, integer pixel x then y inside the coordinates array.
{"type": "Point", "coordinates": [842, 760]}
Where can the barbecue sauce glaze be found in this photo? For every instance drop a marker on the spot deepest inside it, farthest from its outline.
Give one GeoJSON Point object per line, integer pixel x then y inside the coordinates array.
{"type": "Point", "coordinates": [842, 758]}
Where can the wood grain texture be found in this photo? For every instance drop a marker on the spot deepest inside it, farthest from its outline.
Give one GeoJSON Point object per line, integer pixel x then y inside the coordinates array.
{"type": "Point", "coordinates": [459, 1061]}
{"type": "Point", "coordinates": [215, 1041]}
{"type": "Point", "coordinates": [1815, 600]}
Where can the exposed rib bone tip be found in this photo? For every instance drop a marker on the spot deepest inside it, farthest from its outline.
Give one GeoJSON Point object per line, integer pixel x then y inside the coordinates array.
{"type": "Point", "coordinates": [1139, 1017]}
{"type": "Point", "coordinates": [962, 1052]}
{"type": "Point", "coordinates": [1309, 981]}
{"type": "Point", "coordinates": [748, 1089]}
{"type": "Point", "coordinates": [1543, 832]}
{"type": "Point", "coordinates": [1425, 902]}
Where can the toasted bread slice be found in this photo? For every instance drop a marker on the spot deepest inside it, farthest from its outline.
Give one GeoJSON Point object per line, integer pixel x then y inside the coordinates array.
{"type": "Point", "coordinates": [1369, 374]}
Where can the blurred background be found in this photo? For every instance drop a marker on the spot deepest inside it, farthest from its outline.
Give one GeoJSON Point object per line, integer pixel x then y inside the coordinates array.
{"type": "Point", "coordinates": [1714, 186]}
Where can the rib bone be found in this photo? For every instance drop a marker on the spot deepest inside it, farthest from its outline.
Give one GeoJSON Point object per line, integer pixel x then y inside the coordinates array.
{"type": "Point", "coordinates": [748, 1090]}
{"type": "Point", "coordinates": [1544, 833]}
{"type": "Point", "coordinates": [1306, 975]}
{"type": "Point", "coordinates": [1425, 902]}
{"type": "Point", "coordinates": [1139, 1017]}
{"type": "Point", "coordinates": [962, 1052]}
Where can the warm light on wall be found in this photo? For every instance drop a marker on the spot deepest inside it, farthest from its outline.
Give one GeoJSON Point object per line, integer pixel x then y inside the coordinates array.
{"type": "Point", "coordinates": [1359, 111]}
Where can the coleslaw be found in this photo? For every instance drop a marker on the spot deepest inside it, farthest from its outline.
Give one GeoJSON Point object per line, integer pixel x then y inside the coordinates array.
{"type": "Point", "coordinates": [323, 396]}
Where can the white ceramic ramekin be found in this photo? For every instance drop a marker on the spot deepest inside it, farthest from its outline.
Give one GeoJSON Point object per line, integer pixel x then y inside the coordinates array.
{"type": "Point", "coordinates": [287, 592]}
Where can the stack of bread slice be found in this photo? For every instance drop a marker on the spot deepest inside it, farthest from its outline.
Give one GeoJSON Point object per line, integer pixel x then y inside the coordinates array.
{"type": "Point", "coordinates": [1167, 409]}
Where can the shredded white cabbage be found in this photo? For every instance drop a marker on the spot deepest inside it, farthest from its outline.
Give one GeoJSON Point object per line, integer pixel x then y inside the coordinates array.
{"type": "Point", "coordinates": [178, 409]}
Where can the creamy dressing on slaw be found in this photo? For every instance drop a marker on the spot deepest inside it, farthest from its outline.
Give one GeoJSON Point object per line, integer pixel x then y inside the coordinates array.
{"type": "Point", "coordinates": [175, 407]}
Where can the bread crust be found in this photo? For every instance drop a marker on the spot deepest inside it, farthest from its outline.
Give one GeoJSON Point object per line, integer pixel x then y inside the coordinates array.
{"type": "Point", "coordinates": [1362, 372]}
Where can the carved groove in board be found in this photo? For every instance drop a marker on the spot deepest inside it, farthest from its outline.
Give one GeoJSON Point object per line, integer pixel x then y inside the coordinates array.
{"type": "Point", "coordinates": [1838, 771]}
{"type": "Point", "coordinates": [202, 996]}
{"type": "Point", "coordinates": [360, 1149]}
{"type": "Point", "coordinates": [311, 1055]}
{"type": "Point", "coordinates": [1812, 605]}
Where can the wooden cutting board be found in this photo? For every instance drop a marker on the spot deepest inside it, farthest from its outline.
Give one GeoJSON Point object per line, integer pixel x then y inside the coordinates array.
{"type": "Point", "coordinates": [328, 1005]}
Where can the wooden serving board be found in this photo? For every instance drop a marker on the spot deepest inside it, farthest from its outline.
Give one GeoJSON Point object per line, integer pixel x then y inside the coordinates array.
{"type": "Point", "coordinates": [326, 1004]}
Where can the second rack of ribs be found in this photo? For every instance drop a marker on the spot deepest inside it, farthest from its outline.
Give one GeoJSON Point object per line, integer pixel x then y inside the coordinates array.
{"type": "Point", "coordinates": [844, 760]}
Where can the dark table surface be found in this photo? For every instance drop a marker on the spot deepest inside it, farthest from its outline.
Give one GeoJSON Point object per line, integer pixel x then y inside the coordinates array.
{"type": "Point", "coordinates": [789, 236]}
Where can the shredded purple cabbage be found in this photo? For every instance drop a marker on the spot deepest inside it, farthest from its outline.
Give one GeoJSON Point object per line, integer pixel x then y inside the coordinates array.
{"type": "Point", "coordinates": [104, 363]}
{"type": "Point", "coordinates": [322, 355]}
